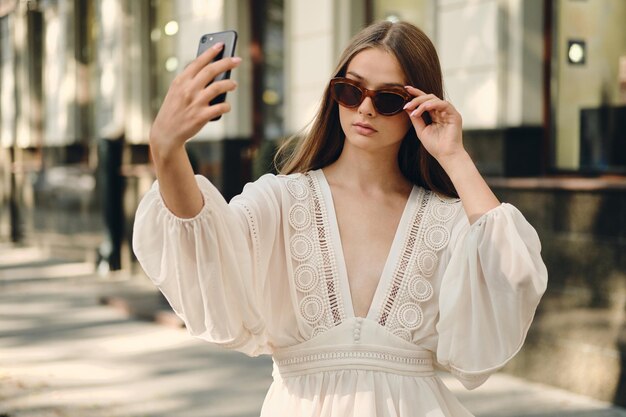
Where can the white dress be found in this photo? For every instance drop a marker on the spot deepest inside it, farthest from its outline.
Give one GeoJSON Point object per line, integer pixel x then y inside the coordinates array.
{"type": "Point", "coordinates": [265, 274]}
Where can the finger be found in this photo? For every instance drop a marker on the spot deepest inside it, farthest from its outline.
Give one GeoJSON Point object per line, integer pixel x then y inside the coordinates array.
{"type": "Point", "coordinates": [216, 110]}
{"type": "Point", "coordinates": [203, 59]}
{"type": "Point", "coordinates": [424, 108]}
{"type": "Point", "coordinates": [209, 72]}
{"type": "Point", "coordinates": [215, 89]}
{"type": "Point", "coordinates": [419, 123]}
{"type": "Point", "coordinates": [411, 105]}
{"type": "Point", "coordinates": [433, 105]}
{"type": "Point", "coordinates": [414, 90]}
{"type": "Point", "coordinates": [441, 111]}
{"type": "Point", "coordinates": [424, 115]}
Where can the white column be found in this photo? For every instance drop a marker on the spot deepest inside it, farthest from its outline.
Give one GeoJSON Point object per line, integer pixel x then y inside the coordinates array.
{"type": "Point", "coordinates": [137, 82]}
{"type": "Point", "coordinates": [309, 58]}
{"type": "Point", "coordinates": [238, 123]}
{"type": "Point", "coordinates": [60, 75]}
{"type": "Point", "coordinates": [110, 112]}
{"type": "Point", "coordinates": [8, 92]}
{"type": "Point", "coordinates": [27, 132]}
{"type": "Point", "coordinates": [421, 13]}
{"type": "Point", "coordinates": [199, 17]}
{"type": "Point", "coordinates": [349, 19]}
{"type": "Point", "coordinates": [196, 18]}
{"type": "Point", "coordinates": [468, 46]}
{"type": "Point", "coordinates": [524, 66]}
{"type": "Point", "coordinates": [491, 55]}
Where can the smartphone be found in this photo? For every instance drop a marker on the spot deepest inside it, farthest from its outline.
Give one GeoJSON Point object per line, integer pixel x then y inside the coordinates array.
{"type": "Point", "coordinates": [229, 38]}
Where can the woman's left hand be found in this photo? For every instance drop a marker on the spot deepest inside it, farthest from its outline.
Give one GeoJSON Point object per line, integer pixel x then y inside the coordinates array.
{"type": "Point", "coordinates": [443, 137]}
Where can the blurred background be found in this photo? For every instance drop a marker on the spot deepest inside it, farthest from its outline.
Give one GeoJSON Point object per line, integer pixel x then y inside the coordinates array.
{"type": "Point", "coordinates": [541, 86]}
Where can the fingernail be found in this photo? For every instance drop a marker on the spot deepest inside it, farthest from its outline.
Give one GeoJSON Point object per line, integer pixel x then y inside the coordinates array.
{"type": "Point", "coordinates": [218, 46]}
{"type": "Point", "coordinates": [405, 106]}
{"type": "Point", "coordinates": [407, 86]}
{"type": "Point", "coordinates": [236, 59]}
{"type": "Point", "coordinates": [413, 113]}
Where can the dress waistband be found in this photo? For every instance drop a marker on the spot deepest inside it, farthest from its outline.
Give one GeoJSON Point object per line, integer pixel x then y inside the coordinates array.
{"type": "Point", "coordinates": [354, 357]}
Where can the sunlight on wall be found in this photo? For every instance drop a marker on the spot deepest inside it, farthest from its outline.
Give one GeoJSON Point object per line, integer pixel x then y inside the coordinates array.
{"type": "Point", "coordinates": [467, 42]}
{"type": "Point", "coordinates": [475, 96]}
{"type": "Point", "coordinates": [58, 78]}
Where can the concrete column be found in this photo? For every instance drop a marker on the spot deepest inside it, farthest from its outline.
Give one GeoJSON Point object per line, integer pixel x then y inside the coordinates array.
{"type": "Point", "coordinates": [14, 29]}
{"type": "Point", "coordinates": [468, 44]}
{"type": "Point", "coordinates": [418, 12]}
{"type": "Point", "coordinates": [110, 104]}
{"type": "Point", "coordinates": [138, 78]}
{"type": "Point", "coordinates": [349, 19]}
{"type": "Point", "coordinates": [309, 53]}
{"type": "Point", "coordinates": [110, 123]}
{"type": "Point", "coordinates": [523, 63]}
{"type": "Point", "coordinates": [238, 123]}
{"type": "Point", "coordinates": [60, 78]}
{"type": "Point", "coordinates": [315, 35]}
{"type": "Point", "coordinates": [491, 55]}
{"type": "Point", "coordinates": [8, 93]}
{"type": "Point", "coordinates": [196, 18]}
{"type": "Point", "coordinates": [23, 87]}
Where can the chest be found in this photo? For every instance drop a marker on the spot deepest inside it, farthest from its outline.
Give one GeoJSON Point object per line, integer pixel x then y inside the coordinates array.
{"type": "Point", "coordinates": [354, 257]}
{"type": "Point", "coordinates": [367, 228]}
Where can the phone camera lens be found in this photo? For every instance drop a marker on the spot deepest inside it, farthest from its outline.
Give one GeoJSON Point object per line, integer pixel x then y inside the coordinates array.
{"type": "Point", "coordinates": [203, 39]}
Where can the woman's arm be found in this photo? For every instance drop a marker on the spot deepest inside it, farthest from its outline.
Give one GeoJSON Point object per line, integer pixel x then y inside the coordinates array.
{"type": "Point", "coordinates": [183, 113]}
{"type": "Point", "coordinates": [475, 194]}
{"type": "Point", "coordinates": [443, 140]}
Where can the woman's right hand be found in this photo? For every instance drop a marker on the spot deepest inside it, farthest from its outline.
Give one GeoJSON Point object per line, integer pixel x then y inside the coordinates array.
{"type": "Point", "coordinates": [185, 109]}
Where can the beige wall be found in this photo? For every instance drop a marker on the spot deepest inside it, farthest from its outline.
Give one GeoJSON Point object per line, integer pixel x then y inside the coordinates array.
{"type": "Point", "coordinates": [601, 24]}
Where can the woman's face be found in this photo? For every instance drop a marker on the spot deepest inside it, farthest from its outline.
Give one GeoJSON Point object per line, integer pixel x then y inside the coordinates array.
{"type": "Point", "coordinates": [364, 128]}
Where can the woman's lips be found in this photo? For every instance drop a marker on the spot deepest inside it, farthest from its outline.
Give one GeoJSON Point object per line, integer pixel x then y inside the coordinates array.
{"type": "Point", "coordinates": [364, 129]}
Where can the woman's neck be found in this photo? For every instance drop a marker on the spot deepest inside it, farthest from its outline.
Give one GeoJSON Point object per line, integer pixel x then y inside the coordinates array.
{"type": "Point", "coordinates": [368, 171]}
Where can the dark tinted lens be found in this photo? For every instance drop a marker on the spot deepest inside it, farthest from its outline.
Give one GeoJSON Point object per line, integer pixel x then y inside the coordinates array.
{"type": "Point", "coordinates": [388, 103]}
{"type": "Point", "coordinates": [347, 94]}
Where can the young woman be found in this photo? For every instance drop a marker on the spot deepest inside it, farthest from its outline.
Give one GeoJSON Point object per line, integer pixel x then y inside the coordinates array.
{"type": "Point", "coordinates": [378, 254]}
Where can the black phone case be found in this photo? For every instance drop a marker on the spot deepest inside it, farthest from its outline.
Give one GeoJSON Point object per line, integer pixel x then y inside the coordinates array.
{"type": "Point", "coordinates": [229, 38]}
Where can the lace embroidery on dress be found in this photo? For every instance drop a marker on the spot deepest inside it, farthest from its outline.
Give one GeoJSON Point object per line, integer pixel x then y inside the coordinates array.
{"type": "Point", "coordinates": [353, 354]}
{"type": "Point", "coordinates": [315, 273]}
{"type": "Point", "coordinates": [402, 313]}
{"type": "Point", "coordinates": [254, 233]}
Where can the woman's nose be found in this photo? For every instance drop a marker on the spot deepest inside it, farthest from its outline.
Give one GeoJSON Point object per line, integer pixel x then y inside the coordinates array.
{"type": "Point", "coordinates": [367, 107]}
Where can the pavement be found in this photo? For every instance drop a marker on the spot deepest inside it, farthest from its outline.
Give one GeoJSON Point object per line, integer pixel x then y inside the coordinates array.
{"type": "Point", "coordinates": [74, 344]}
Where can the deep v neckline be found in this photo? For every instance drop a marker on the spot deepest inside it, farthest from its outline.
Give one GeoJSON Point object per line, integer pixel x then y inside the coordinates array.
{"type": "Point", "coordinates": [397, 246]}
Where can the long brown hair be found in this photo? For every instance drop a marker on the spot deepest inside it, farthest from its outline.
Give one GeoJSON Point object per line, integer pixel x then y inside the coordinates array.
{"type": "Point", "coordinates": [323, 144]}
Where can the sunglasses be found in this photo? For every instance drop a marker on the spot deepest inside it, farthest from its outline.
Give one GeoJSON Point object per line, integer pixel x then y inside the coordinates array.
{"type": "Point", "coordinates": [387, 101]}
